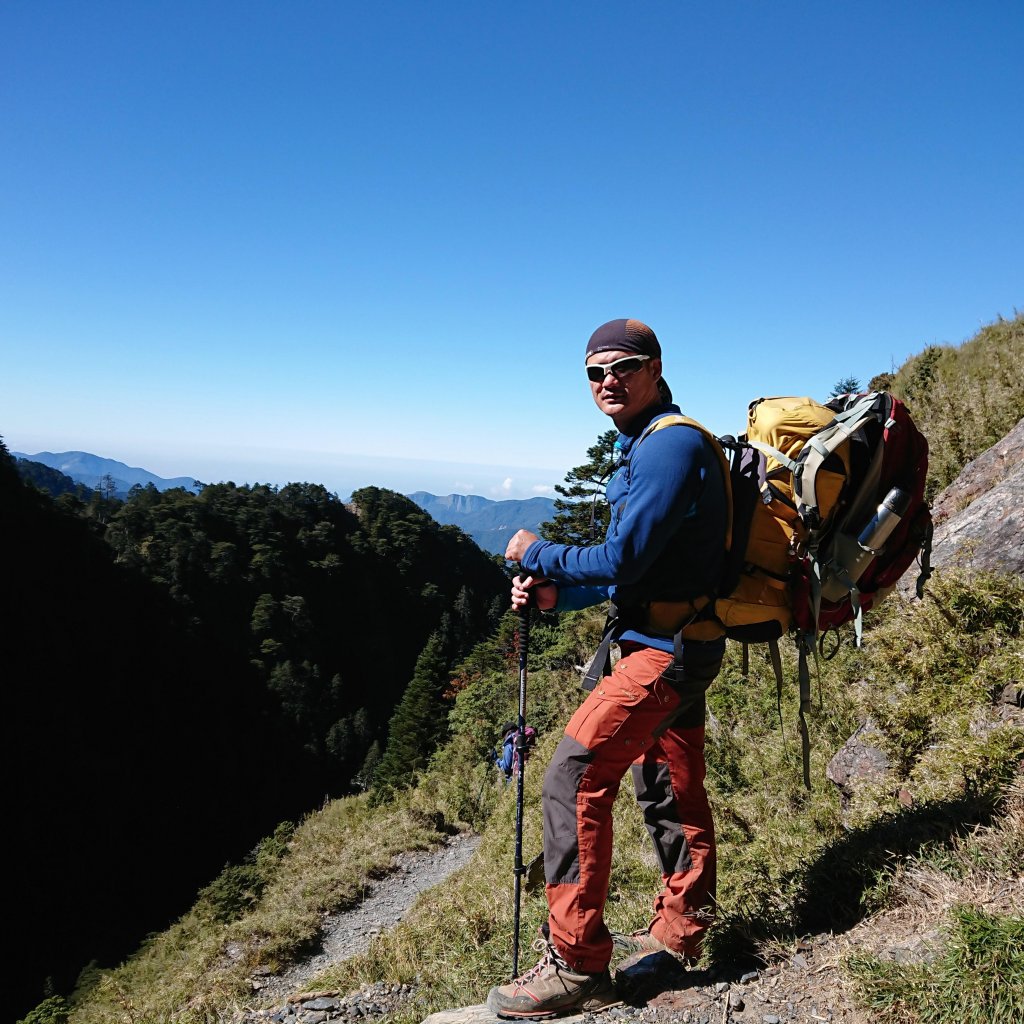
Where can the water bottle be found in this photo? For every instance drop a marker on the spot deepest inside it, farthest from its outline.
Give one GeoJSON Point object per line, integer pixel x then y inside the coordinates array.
{"type": "Point", "coordinates": [886, 518]}
{"type": "Point", "coordinates": [852, 555]}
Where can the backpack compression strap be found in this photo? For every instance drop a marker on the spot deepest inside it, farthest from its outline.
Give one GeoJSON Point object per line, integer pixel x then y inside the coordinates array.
{"type": "Point", "coordinates": [806, 645]}
{"type": "Point", "coordinates": [822, 444]}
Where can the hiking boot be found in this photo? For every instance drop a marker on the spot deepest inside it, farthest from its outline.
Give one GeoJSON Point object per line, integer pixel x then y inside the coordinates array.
{"type": "Point", "coordinates": [551, 987]}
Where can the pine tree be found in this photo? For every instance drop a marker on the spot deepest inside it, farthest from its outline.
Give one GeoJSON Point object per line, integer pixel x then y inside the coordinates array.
{"type": "Point", "coordinates": [845, 386]}
{"type": "Point", "coordinates": [418, 724]}
{"type": "Point", "coordinates": [582, 513]}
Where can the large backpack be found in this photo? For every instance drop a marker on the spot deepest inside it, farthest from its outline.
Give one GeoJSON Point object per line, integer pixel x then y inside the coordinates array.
{"type": "Point", "coordinates": [826, 513]}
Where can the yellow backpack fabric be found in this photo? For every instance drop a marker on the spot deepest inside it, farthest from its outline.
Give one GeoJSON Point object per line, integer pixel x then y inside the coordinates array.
{"type": "Point", "coordinates": [758, 606]}
{"type": "Point", "coordinates": [760, 603]}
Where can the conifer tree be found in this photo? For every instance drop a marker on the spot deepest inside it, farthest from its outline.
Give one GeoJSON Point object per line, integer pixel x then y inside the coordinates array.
{"type": "Point", "coordinates": [418, 724]}
{"type": "Point", "coordinates": [845, 386]}
{"type": "Point", "coordinates": [581, 515]}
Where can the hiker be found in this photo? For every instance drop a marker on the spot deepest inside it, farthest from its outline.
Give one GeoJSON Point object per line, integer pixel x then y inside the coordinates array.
{"type": "Point", "coordinates": [666, 542]}
{"type": "Point", "coordinates": [514, 748]}
{"type": "Point", "coordinates": [506, 759]}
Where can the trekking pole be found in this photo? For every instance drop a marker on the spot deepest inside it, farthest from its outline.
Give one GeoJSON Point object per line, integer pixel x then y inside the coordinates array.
{"type": "Point", "coordinates": [524, 642]}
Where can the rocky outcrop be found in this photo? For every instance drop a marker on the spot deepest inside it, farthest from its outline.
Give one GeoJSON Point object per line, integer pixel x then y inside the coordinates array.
{"type": "Point", "coordinates": [979, 525]}
{"type": "Point", "coordinates": [979, 518]}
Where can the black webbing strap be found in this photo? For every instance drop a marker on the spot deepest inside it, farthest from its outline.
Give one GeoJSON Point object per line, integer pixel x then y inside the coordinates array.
{"type": "Point", "coordinates": [674, 676]}
{"type": "Point", "coordinates": [600, 664]}
{"type": "Point", "coordinates": [926, 562]}
{"type": "Point", "coordinates": [805, 643]}
{"type": "Point", "coordinates": [773, 650]}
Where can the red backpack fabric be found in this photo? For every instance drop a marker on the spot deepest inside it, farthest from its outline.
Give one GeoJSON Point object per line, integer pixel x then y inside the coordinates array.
{"type": "Point", "coordinates": [888, 462]}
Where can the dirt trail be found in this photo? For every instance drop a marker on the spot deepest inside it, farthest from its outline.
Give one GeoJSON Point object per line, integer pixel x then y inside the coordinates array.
{"type": "Point", "coordinates": [387, 900]}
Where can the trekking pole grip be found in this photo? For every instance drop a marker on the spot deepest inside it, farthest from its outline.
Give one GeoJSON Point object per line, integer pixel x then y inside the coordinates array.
{"type": "Point", "coordinates": [524, 620]}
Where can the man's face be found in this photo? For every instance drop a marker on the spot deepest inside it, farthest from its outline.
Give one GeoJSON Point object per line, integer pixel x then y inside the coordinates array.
{"type": "Point", "coordinates": [625, 389]}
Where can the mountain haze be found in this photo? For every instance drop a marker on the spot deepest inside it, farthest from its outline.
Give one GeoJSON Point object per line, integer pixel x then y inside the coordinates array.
{"type": "Point", "coordinates": [86, 468]}
{"type": "Point", "coordinates": [490, 523]}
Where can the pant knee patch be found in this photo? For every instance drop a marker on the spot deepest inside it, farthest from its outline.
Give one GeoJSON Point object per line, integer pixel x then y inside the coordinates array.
{"type": "Point", "coordinates": [561, 784]}
{"type": "Point", "coordinates": [653, 785]}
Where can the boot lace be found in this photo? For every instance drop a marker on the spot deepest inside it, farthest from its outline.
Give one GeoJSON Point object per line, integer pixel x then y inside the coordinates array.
{"type": "Point", "coordinates": [550, 958]}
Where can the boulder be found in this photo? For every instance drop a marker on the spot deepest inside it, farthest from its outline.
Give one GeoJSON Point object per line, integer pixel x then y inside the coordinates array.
{"type": "Point", "coordinates": [979, 518]}
{"type": "Point", "coordinates": [857, 760]}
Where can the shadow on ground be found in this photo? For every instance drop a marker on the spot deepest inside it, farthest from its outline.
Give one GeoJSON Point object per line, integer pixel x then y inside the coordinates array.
{"type": "Point", "coordinates": [834, 889]}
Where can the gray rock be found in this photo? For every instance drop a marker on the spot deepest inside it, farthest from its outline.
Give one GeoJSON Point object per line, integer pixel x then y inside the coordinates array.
{"type": "Point", "coordinates": [1013, 694]}
{"type": "Point", "coordinates": [857, 760]}
{"type": "Point", "coordinates": [321, 1004]}
{"type": "Point", "coordinates": [736, 1002]}
{"type": "Point", "coordinates": [979, 518]}
{"type": "Point", "coordinates": [473, 1015]}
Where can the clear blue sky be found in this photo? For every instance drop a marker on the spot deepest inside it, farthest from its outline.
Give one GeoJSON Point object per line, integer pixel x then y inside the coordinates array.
{"type": "Point", "coordinates": [366, 243]}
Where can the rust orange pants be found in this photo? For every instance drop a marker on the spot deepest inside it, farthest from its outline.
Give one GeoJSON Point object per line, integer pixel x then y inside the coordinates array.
{"type": "Point", "coordinates": [635, 716]}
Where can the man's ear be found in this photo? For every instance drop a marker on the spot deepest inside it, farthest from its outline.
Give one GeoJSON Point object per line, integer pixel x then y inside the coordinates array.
{"type": "Point", "coordinates": [656, 369]}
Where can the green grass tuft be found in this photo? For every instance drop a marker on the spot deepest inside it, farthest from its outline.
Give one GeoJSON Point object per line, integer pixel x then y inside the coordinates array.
{"type": "Point", "coordinates": [977, 979]}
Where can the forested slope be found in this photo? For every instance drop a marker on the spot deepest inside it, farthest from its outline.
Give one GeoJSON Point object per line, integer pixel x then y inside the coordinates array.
{"type": "Point", "coordinates": [182, 672]}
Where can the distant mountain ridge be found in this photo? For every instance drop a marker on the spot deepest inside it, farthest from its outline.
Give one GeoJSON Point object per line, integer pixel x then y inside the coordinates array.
{"type": "Point", "coordinates": [89, 469]}
{"type": "Point", "coordinates": [490, 523]}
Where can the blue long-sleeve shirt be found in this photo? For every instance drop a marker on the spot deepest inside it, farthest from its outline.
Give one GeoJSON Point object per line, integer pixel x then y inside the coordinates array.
{"type": "Point", "coordinates": [666, 538]}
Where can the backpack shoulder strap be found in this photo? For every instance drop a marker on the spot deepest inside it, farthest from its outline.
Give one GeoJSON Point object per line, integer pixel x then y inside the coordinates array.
{"type": "Point", "coordinates": [676, 419]}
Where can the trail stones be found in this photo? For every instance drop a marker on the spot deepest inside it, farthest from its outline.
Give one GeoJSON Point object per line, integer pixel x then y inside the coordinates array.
{"type": "Point", "coordinates": [470, 1015]}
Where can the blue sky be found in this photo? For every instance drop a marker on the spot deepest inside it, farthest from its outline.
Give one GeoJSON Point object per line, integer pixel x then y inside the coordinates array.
{"type": "Point", "coordinates": [366, 243]}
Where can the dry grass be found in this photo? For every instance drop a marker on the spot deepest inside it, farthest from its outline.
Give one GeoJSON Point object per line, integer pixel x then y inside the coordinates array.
{"type": "Point", "coordinates": [956, 920]}
{"type": "Point", "coordinates": [199, 968]}
{"type": "Point", "coordinates": [965, 398]}
{"type": "Point", "coordinates": [785, 855]}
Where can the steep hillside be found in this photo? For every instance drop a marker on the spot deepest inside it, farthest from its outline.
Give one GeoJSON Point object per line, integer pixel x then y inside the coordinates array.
{"type": "Point", "coordinates": [900, 893]}
{"type": "Point", "coordinates": [183, 665]}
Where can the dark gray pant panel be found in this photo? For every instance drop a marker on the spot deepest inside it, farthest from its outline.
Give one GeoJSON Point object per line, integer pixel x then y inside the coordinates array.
{"type": "Point", "coordinates": [652, 780]}
{"type": "Point", "coordinates": [561, 784]}
{"type": "Point", "coordinates": [654, 794]}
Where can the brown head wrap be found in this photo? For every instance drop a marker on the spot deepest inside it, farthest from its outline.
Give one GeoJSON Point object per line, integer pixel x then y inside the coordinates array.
{"type": "Point", "coordinates": [628, 336]}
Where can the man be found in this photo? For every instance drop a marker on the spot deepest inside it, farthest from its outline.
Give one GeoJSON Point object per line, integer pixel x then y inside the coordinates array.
{"type": "Point", "coordinates": [665, 543]}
